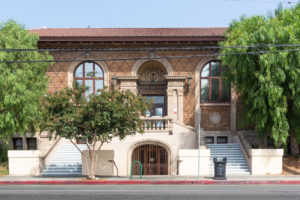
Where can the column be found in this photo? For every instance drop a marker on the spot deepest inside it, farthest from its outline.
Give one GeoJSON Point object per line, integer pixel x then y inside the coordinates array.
{"type": "Point", "coordinates": [180, 105]}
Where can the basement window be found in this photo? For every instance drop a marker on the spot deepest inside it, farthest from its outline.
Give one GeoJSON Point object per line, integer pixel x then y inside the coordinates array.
{"type": "Point", "coordinates": [222, 140]}
{"type": "Point", "coordinates": [31, 143]}
{"type": "Point", "coordinates": [18, 143]}
{"type": "Point", "coordinates": [209, 140]}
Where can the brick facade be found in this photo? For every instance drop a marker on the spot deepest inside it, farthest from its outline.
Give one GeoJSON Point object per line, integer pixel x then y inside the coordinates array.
{"type": "Point", "coordinates": [58, 76]}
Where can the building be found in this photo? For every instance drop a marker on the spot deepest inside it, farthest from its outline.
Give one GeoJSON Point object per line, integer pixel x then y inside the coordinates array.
{"type": "Point", "coordinates": [175, 67]}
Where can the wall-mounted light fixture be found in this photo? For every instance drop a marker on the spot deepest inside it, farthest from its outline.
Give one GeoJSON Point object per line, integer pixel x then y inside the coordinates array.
{"type": "Point", "coordinates": [189, 81]}
{"type": "Point", "coordinates": [87, 54]}
{"type": "Point", "coordinates": [114, 80]}
{"type": "Point", "coordinates": [151, 54]}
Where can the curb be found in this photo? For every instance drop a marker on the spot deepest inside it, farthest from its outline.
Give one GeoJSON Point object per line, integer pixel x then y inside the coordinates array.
{"type": "Point", "coordinates": [166, 182]}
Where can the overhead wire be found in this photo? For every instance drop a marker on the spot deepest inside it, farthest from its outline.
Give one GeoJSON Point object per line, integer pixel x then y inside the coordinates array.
{"type": "Point", "coordinates": [182, 48]}
{"type": "Point", "coordinates": [157, 57]}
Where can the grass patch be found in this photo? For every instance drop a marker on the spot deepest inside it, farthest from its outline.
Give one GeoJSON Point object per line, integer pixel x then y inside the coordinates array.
{"type": "Point", "coordinates": [3, 168]}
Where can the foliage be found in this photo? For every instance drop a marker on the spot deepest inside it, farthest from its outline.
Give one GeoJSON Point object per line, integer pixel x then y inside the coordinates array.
{"type": "Point", "coordinates": [3, 153]}
{"type": "Point", "coordinates": [269, 83]}
{"type": "Point", "coordinates": [96, 120]}
{"type": "Point", "coordinates": [22, 84]}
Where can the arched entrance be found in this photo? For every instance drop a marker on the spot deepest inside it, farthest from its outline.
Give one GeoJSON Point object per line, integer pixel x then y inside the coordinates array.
{"type": "Point", "coordinates": [153, 157]}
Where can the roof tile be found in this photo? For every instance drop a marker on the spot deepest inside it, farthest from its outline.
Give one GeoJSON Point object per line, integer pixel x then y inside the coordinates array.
{"type": "Point", "coordinates": [126, 33]}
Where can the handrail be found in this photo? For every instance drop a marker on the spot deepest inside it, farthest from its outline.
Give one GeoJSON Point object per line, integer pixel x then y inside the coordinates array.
{"type": "Point", "coordinates": [242, 143]}
{"type": "Point", "coordinates": [114, 163]}
{"type": "Point", "coordinates": [51, 148]}
{"type": "Point", "coordinates": [156, 118]}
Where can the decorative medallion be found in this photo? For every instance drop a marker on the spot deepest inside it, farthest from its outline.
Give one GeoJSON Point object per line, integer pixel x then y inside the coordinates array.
{"type": "Point", "coordinates": [214, 118]}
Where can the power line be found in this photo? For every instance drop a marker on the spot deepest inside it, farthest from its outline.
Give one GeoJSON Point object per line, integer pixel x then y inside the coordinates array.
{"type": "Point", "coordinates": [264, 1]}
{"type": "Point", "coordinates": [154, 58]}
{"type": "Point", "coordinates": [152, 48]}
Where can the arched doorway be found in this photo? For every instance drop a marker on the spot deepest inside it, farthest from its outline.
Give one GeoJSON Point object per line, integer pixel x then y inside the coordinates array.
{"type": "Point", "coordinates": [154, 159]}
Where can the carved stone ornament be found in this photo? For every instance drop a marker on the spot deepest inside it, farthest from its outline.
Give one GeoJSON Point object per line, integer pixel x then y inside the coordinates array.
{"type": "Point", "coordinates": [152, 75]}
{"type": "Point", "coordinates": [214, 118]}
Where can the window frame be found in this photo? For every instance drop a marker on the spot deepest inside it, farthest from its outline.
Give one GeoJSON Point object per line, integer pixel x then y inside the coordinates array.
{"type": "Point", "coordinates": [84, 78]}
{"type": "Point", "coordinates": [29, 146]}
{"type": "Point", "coordinates": [158, 105]}
{"type": "Point", "coordinates": [220, 138]}
{"type": "Point", "coordinates": [210, 78]}
{"type": "Point", "coordinates": [209, 137]}
{"type": "Point", "coordinates": [14, 139]}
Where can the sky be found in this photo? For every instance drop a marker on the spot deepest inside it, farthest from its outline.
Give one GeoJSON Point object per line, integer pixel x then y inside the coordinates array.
{"type": "Point", "coordinates": [133, 13]}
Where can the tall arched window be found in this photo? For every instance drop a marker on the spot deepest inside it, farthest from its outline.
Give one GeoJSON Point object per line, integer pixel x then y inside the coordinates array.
{"type": "Point", "coordinates": [214, 88]}
{"type": "Point", "coordinates": [89, 75]}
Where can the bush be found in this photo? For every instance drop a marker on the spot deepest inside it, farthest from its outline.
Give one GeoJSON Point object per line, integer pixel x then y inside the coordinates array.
{"type": "Point", "coordinates": [3, 153]}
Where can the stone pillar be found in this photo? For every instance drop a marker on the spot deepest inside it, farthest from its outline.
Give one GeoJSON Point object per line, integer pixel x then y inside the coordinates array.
{"type": "Point", "coordinates": [180, 105]}
{"type": "Point", "coordinates": [170, 96]}
{"type": "Point", "coordinates": [175, 104]}
{"type": "Point", "coordinates": [128, 83]}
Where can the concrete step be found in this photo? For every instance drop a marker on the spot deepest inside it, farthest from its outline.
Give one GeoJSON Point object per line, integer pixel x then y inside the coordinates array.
{"type": "Point", "coordinates": [236, 163]}
{"type": "Point", "coordinates": [65, 162]}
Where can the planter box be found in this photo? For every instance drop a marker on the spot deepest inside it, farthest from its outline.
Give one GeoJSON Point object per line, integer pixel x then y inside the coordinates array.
{"type": "Point", "coordinates": [266, 161]}
{"type": "Point", "coordinates": [188, 162]}
{"type": "Point", "coordinates": [24, 162]}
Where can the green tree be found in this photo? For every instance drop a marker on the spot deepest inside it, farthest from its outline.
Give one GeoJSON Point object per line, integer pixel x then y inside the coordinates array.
{"type": "Point", "coordinates": [269, 83]}
{"type": "Point", "coordinates": [96, 120]}
{"type": "Point", "coordinates": [22, 83]}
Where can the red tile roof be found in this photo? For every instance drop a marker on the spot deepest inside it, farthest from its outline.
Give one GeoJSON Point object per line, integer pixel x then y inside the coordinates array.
{"type": "Point", "coordinates": [129, 34]}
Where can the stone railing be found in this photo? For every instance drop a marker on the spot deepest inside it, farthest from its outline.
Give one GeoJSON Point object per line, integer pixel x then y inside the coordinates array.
{"type": "Point", "coordinates": [158, 124]}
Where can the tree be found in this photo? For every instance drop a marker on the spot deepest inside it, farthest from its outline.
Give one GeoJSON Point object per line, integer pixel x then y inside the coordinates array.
{"type": "Point", "coordinates": [95, 120]}
{"type": "Point", "coordinates": [269, 80]}
{"type": "Point", "coordinates": [22, 83]}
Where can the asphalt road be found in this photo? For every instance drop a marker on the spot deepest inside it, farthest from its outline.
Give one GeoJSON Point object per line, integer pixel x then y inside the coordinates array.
{"type": "Point", "coordinates": [145, 192]}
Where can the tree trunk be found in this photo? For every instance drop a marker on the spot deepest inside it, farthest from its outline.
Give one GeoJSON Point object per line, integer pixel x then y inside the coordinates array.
{"type": "Point", "coordinates": [293, 144]}
{"type": "Point", "coordinates": [92, 171]}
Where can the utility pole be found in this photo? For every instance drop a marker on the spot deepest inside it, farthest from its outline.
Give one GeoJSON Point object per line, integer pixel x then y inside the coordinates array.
{"type": "Point", "coordinates": [199, 130]}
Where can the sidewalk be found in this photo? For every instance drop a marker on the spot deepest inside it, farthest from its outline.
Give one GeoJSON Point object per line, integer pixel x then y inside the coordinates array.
{"type": "Point", "coordinates": [232, 180]}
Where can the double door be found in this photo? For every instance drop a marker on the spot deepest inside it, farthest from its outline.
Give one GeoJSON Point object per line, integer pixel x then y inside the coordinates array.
{"type": "Point", "coordinates": [154, 159]}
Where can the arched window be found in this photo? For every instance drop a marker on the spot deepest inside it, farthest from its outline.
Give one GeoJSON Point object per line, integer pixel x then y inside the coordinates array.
{"type": "Point", "coordinates": [90, 76]}
{"type": "Point", "coordinates": [214, 88]}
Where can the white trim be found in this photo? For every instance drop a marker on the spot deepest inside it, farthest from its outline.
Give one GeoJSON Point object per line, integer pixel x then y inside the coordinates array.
{"type": "Point", "coordinates": [102, 64]}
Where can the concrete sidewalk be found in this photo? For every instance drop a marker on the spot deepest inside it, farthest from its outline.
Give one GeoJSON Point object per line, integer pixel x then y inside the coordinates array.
{"type": "Point", "coordinates": [151, 180]}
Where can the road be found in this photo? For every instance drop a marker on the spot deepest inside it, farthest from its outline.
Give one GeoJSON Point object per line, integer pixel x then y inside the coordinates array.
{"type": "Point", "coordinates": [145, 192]}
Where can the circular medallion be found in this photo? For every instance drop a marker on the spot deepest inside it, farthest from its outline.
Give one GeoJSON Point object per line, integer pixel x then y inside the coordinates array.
{"type": "Point", "coordinates": [214, 118]}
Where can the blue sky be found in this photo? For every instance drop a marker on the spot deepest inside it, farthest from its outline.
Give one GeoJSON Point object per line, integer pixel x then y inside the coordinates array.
{"type": "Point", "coordinates": [133, 13]}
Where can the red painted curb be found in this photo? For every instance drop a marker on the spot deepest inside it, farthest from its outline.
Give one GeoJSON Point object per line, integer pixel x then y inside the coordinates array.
{"type": "Point", "coordinates": [149, 182]}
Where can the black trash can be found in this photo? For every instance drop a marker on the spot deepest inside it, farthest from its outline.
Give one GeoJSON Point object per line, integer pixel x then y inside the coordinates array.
{"type": "Point", "coordinates": [220, 168]}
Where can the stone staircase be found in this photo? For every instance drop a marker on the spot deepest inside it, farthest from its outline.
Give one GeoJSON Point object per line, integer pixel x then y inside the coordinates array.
{"type": "Point", "coordinates": [236, 163]}
{"type": "Point", "coordinates": [65, 162]}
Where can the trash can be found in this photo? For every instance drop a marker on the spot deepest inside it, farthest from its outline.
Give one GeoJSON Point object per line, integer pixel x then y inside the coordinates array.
{"type": "Point", "coordinates": [220, 168]}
